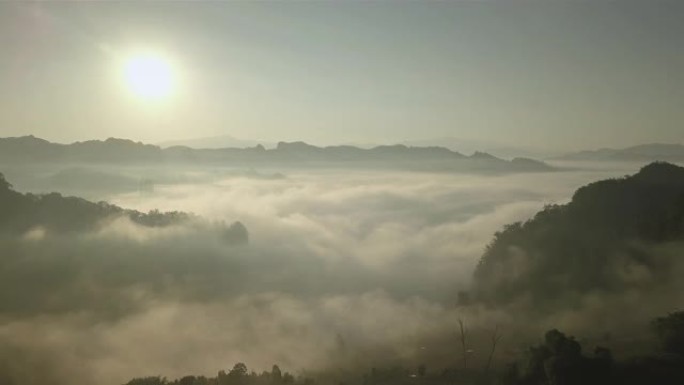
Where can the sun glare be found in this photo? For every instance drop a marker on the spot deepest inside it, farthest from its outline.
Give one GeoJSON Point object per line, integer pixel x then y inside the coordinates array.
{"type": "Point", "coordinates": [149, 76]}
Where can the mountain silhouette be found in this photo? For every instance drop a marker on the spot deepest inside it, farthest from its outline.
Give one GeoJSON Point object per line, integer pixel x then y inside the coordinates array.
{"type": "Point", "coordinates": [604, 240]}
{"type": "Point", "coordinates": [221, 141]}
{"type": "Point", "coordinates": [32, 150]}
{"type": "Point", "coordinates": [54, 213]}
{"type": "Point", "coordinates": [641, 153]}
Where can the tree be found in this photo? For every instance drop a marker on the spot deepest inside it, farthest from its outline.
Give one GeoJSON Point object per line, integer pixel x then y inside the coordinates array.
{"type": "Point", "coordinates": [495, 340]}
{"type": "Point", "coordinates": [670, 331]}
{"type": "Point", "coordinates": [463, 343]}
{"type": "Point", "coordinates": [222, 377]}
{"type": "Point", "coordinates": [276, 374]}
{"type": "Point", "coordinates": [239, 370]}
{"type": "Point", "coordinates": [561, 345]}
{"type": "Point", "coordinates": [148, 381]}
{"type": "Point", "coordinates": [559, 361]}
{"type": "Point", "coordinates": [236, 234]}
{"type": "Point", "coordinates": [288, 378]}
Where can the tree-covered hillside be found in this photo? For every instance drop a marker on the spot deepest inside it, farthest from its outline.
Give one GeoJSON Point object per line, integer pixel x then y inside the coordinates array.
{"type": "Point", "coordinates": [55, 213]}
{"type": "Point", "coordinates": [612, 236]}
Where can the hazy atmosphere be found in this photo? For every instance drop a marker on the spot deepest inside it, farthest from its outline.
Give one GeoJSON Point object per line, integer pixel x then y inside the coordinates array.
{"type": "Point", "coordinates": [341, 193]}
{"type": "Point", "coordinates": [374, 259]}
{"type": "Point", "coordinates": [561, 75]}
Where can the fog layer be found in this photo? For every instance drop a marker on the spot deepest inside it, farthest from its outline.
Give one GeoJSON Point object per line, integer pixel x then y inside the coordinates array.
{"type": "Point", "coordinates": [343, 268]}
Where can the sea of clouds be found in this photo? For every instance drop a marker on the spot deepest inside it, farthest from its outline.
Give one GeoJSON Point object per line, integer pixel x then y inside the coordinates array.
{"type": "Point", "coordinates": [343, 268]}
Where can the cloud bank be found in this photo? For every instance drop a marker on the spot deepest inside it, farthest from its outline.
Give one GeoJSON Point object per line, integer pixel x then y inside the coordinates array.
{"type": "Point", "coordinates": [343, 268]}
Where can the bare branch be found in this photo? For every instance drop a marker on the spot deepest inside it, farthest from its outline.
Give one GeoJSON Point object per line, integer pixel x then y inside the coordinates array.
{"type": "Point", "coordinates": [496, 337]}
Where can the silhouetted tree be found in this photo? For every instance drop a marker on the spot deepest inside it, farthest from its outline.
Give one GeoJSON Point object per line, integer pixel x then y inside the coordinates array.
{"type": "Point", "coordinates": [559, 361]}
{"type": "Point", "coordinates": [236, 233]}
{"type": "Point", "coordinates": [238, 375]}
{"type": "Point", "coordinates": [276, 374]}
{"type": "Point", "coordinates": [463, 343]}
{"type": "Point", "coordinates": [670, 331]}
{"type": "Point", "coordinates": [148, 381]}
{"type": "Point", "coordinates": [495, 340]}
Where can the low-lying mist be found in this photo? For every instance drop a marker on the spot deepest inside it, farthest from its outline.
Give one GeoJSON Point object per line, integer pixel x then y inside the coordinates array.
{"type": "Point", "coordinates": [343, 268]}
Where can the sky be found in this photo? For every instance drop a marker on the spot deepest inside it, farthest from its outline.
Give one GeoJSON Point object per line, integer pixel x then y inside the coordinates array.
{"type": "Point", "coordinates": [549, 74]}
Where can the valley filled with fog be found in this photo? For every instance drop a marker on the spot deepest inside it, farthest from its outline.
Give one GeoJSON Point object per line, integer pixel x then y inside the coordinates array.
{"type": "Point", "coordinates": [342, 192]}
{"type": "Point", "coordinates": [343, 269]}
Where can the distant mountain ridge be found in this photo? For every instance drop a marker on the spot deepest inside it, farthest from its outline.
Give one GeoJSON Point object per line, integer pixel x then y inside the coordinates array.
{"type": "Point", "coordinates": [640, 153]}
{"type": "Point", "coordinates": [495, 148]}
{"type": "Point", "coordinates": [461, 145]}
{"type": "Point", "coordinates": [214, 142]}
{"type": "Point", "coordinates": [29, 149]}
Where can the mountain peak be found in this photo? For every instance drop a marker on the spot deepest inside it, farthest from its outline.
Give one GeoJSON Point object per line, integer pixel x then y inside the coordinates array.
{"type": "Point", "coordinates": [660, 172]}
{"type": "Point", "coordinates": [28, 139]}
{"type": "Point", "coordinates": [482, 155]}
{"type": "Point", "coordinates": [295, 146]}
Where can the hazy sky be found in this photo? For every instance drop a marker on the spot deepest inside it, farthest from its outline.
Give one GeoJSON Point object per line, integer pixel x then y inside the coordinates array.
{"type": "Point", "coordinates": [561, 74]}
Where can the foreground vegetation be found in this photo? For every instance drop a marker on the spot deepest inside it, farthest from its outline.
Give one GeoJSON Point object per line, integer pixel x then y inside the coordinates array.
{"type": "Point", "coordinates": [558, 360]}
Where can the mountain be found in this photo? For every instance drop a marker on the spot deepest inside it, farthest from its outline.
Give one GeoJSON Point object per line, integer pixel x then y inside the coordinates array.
{"type": "Point", "coordinates": [640, 153]}
{"type": "Point", "coordinates": [53, 213]}
{"type": "Point", "coordinates": [610, 238]}
{"type": "Point", "coordinates": [31, 150]}
{"type": "Point", "coordinates": [213, 142]}
{"type": "Point", "coordinates": [492, 147]}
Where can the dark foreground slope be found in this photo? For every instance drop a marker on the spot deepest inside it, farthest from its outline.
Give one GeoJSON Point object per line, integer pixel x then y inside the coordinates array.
{"type": "Point", "coordinates": [558, 360]}
{"type": "Point", "coordinates": [615, 235]}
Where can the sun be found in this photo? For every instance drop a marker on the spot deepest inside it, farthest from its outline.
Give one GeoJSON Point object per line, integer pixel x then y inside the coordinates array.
{"type": "Point", "coordinates": [149, 76]}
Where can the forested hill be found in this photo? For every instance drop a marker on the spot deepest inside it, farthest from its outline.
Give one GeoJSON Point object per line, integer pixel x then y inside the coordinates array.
{"type": "Point", "coordinates": [55, 213]}
{"type": "Point", "coordinates": [614, 235]}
